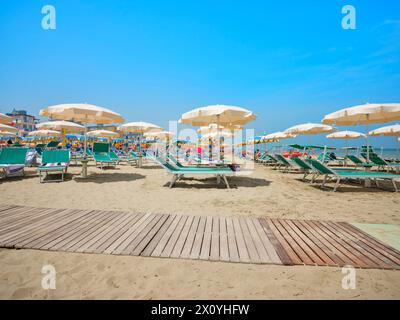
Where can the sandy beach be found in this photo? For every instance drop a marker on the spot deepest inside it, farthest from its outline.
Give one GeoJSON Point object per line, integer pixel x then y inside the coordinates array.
{"type": "Point", "coordinates": [265, 193]}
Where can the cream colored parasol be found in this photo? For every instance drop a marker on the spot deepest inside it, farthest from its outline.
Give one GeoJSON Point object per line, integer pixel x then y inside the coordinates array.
{"type": "Point", "coordinates": [5, 127]}
{"type": "Point", "coordinates": [5, 119]}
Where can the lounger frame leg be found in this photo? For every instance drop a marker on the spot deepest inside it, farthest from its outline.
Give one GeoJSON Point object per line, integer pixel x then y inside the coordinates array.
{"type": "Point", "coordinates": [173, 180]}
{"type": "Point", "coordinates": [226, 181]}
{"type": "Point", "coordinates": [395, 186]}
{"type": "Point", "coordinates": [336, 185]}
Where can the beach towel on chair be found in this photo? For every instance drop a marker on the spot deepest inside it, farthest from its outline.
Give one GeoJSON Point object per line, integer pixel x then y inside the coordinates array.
{"type": "Point", "coordinates": [13, 170]}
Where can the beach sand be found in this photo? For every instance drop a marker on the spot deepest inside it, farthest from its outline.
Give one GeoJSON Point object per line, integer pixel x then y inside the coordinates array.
{"type": "Point", "coordinates": [264, 193]}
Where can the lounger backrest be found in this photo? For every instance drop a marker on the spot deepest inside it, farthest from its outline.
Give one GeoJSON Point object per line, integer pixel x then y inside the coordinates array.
{"type": "Point", "coordinates": [321, 167]}
{"type": "Point", "coordinates": [52, 144]}
{"type": "Point", "coordinates": [55, 156]}
{"type": "Point", "coordinates": [282, 159]}
{"type": "Point", "coordinates": [99, 147]}
{"type": "Point", "coordinates": [113, 155]}
{"type": "Point", "coordinates": [354, 159]}
{"type": "Point", "coordinates": [301, 163]}
{"type": "Point", "coordinates": [377, 160]}
{"type": "Point", "coordinates": [13, 156]}
{"type": "Point", "coordinates": [166, 164]}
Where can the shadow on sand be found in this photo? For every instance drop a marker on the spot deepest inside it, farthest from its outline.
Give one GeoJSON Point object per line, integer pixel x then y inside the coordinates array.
{"type": "Point", "coordinates": [211, 183]}
{"type": "Point", "coordinates": [109, 177]}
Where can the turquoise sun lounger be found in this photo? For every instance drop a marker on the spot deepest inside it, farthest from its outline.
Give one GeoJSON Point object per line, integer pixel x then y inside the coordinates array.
{"type": "Point", "coordinates": [54, 162]}
{"type": "Point", "coordinates": [12, 161]}
{"type": "Point", "coordinates": [178, 173]}
{"type": "Point", "coordinates": [340, 175]}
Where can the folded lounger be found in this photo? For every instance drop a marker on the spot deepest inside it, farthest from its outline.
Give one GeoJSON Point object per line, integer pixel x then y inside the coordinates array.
{"type": "Point", "coordinates": [178, 173]}
{"type": "Point", "coordinates": [358, 162]}
{"type": "Point", "coordinates": [54, 162]}
{"type": "Point", "coordinates": [340, 175]}
{"type": "Point", "coordinates": [12, 161]}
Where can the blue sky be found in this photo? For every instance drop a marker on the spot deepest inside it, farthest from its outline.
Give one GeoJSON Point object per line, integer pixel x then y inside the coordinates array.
{"type": "Point", "coordinates": [288, 61]}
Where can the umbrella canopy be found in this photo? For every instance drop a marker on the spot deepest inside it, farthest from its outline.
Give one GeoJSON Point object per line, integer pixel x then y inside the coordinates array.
{"type": "Point", "coordinates": [278, 136]}
{"type": "Point", "coordinates": [165, 135]}
{"type": "Point", "coordinates": [389, 131]}
{"type": "Point", "coordinates": [213, 127]}
{"type": "Point", "coordinates": [310, 129]}
{"type": "Point", "coordinates": [220, 114]}
{"type": "Point", "coordinates": [7, 134]}
{"type": "Point", "coordinates": [345, 135]}
{"type": "Point", "coordinates": [44, 133]}
{"type": "Point", "coordinates": [364, 114]}
{"type": "Point", "coordinates": [223, 133]}
{"type": "Point", "coordinates": [4, 127]}
{"type": "Point", "coordinates": [5, 119]}
{"type": "Point", "coordinates": [61, 125]}
{"type": "Point", "coordinates": [86, 113]}
{"type": "Point", "coordinates": [103, 134]}
{"type": "Point", "coordinates": [140, 127]}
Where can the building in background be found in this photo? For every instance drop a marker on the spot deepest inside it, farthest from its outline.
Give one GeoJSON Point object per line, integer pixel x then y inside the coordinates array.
{"type": "Point", "coordinates": [23, 121]}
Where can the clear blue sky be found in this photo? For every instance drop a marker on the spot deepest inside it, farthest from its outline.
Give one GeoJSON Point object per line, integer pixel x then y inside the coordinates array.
{"type": "Point", "coordinates": [288, 61]}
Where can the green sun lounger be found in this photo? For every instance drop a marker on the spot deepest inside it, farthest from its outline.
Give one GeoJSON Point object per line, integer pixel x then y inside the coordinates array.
{"type": "Point", "coordinates": [54, 162]}
{"type": "Point", "coordinates": [306, 168]}
{"type": "Point", "coordinates": [178, 173]}
{"type": "Point", "coordinates": [179, 164]}
{"type": "Point", "coordinates": [340, 175]}
{"type": "Point", "coordinates": [12, 161]}
{"type": "Point", "coordinates": [378, 161]}
{"type": "Point", "coordinates": [358, 162]}
{"type": "Point", "coordinates": [101, 155]}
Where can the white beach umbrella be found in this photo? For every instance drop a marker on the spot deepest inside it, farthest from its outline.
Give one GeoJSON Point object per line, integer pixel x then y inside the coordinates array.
{"type": "Point", "coordinates": [81, 112]}
{"type": "Point", "coordinates": [8, 134]}
{"type": "Point", "coordinates": [224, 115]}
{"type": "Point", "coordinates": [278, 136]}
{"type": "Point", "coordinates": [103, 134]}
{"type": "Point", "coordinates": [44, 133]}
{"type": "Point", "coordinates": [139, 127]}
{"type": "Point", "coordinates": [164, 135]}
{"type": "Point", "coordinates": [364, 114]}
{"type": "Point", "coordinates": [223, 133]}
{"type": "Point", "coordinates": [68, 126]}
{"type": "Point", "coordinates": [5, 119]}
{"type": "Point", "coordinates": [5, 127]}
{"type": "Point", "coordinates": [310, 129]}
{"type": "Point", "coordinates": [388, 131]}
{"type": "Point", "coordinates": [346, 135]}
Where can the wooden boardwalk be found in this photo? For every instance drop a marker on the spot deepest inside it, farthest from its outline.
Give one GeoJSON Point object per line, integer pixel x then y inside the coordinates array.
{"type": "Point", "coordinates": [229, 239]}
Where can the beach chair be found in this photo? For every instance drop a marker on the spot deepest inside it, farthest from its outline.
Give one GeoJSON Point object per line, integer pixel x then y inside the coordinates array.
{"type": "Point", "coordinates": [101, 155]}
{"type": "Point", "coordinates": [52, 144]}
{"type": "Point", "coordinates": [54, 162]}
{"type": "Point", "coordinates": [358, 162]}
{"type": "Point", "coordinates": [378, 161]}
{"type": "Point", "coordinates": [179, 164]}
{"type": "Point", "coordinates": [12, 161]}
{"type": "Point", "coordinates": [285, 163]}
{"type": "Point", "coordinates": [307, 168]}
{"type": "Point", "coordinates": [178, 173]}
{"type": "Point", "coordinates": [340, 175]}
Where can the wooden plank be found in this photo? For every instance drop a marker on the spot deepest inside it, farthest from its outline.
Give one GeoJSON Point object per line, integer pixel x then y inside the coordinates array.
{"type": "Point", "coordinates": [241, 244]}
{"type": "Point", "coordinates": [176, 252]}
{"type": "Point", "coordinates": [129, 249]}
{"type": "Point", "coordinates": [157, 238]}
{"type": "Point", "coordinates": [4, 208]}
{"type": "Point", "coordinates": [386, 250]}
{"type": "Point", "coordinates": [187, 248]}
{"type": "Point", "coordinates": [130, 235]}
{"type": "Point", "coordinates": [105, 232]}
{"type": "Point", "coordinates": [283, 256]}
{"type": "Point", "coordinates": [166, 240]}
{"type": "Point", "coordinates": [379, 260]}
{"type": "Point", "coordinates": [339, 244]}
{"type": "Point", "coordinates": [269, 248]}
{"type": "Point", "coordinates": [15, 234]}
{"type": "Point", "coordinates": [214, 249]}
{"type": "Point", "coordinates": [23, 218]}
{"type": "Point", "coordinates": [41, 228]}
{"type": "Point", "coordinates": [170, 245]}
{"type": "Point", "coordinates": [232, 246]}
{"type": "Point", "coordinates": [150, 235]}
{"type": "Point", "coordinates": [64, 228]}
{"type": "Point", "coordinates": [251, 248]}
{"type": "Point", "coordinates": [116, 236]}
{"type": "Point", "coordinates": [327, 248]}
{"type": "Point", "coordinates": [283, 241]}
{"type": "Point", "coordinates": [223, 240]}
{"type": "Point", "coordinates": [262, 253]}
{"type": "Point", "coordinates": [293, 243]}
{"type": "Point", "coordinates": [206, 244]}
{"type": "Point", "coordinates": [87, 233]}
{"type": "Point", "coordinates": [308, 246]}
{"type": "Point", "coordinates": [198, 240]}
